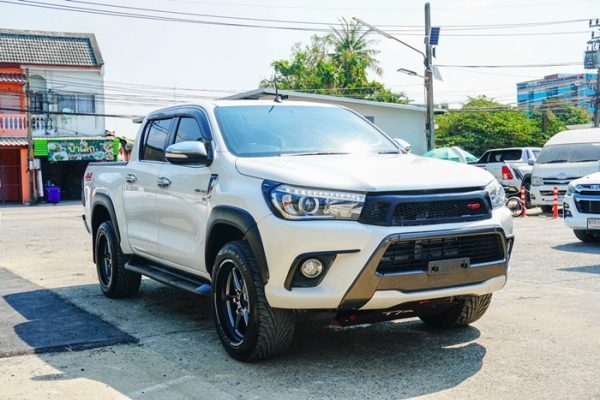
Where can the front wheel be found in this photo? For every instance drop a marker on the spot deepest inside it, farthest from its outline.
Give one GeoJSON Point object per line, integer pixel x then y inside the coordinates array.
{"type": "Point", "coordinates": [248, 327]}
{"type": "Point", "coordinates": [467, 311]}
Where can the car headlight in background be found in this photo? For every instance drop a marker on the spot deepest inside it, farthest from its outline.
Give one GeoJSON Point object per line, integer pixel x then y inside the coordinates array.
{"type": "Point", "coordinates": [298, 203]}
{"type": "Point", "coordinates": [496, 193]}
{"type": "Point", "coordinates": [537, 181]}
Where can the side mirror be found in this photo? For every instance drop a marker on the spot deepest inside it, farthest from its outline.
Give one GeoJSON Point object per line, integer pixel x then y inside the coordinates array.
{"type": "Point", "coordinates": [531, 161]}
{"type": "Point", "coordinates": [187, 153]}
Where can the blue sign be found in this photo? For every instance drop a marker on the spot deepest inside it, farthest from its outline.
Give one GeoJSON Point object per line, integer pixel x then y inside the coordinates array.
{"type": "Point", "coordinates": [434, 36]}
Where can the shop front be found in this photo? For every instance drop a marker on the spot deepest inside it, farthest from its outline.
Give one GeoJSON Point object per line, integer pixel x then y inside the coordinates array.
{"type": "Point", "coordinates": [63, 160]}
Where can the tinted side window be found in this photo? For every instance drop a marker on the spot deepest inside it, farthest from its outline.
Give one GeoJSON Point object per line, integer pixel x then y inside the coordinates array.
{"type": "Point", "coordinates": [484, 158]}
{"type": "Point", "coordinates": [156, 138]}
{"type": "Point", "coordinates": [188, 130]}
{"type": "Point", "coordinates": [505, 155]}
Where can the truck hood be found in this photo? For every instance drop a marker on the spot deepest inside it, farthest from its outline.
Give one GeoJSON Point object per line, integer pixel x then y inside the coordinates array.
{"type": "Point", "coordinates": [367, 173]}
{"type": "Point", "coordinates": [592, 179]}
{"type": "Point", "coordinates": [566, 171]}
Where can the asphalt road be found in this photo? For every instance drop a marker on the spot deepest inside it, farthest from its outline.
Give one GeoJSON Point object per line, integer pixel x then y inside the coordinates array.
{"type": "Point", "coordinates": [539, 340]}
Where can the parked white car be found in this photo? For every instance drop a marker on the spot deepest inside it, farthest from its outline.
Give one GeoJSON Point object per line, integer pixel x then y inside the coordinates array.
{"type": "Point", "coordinates": [567, 156]}
{"type": "Point", "coordinates": [581, 207]}
{"type": "Point", "coordinates": [286, 211]}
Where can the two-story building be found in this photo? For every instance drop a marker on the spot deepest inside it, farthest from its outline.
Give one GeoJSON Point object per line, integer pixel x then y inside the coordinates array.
{"type": "Point", "coordinates": [58, 77]}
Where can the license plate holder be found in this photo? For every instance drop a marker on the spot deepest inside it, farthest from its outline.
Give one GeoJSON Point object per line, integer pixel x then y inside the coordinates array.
{"type": "Point", "coordinates": [449, 266]}
{"type": "Point", "coordinates": [593, 223]}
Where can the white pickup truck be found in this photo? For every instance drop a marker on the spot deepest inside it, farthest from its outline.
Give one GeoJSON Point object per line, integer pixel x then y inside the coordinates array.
{"type": "Point", "coordinates": [288, 211]}
{"type": "Point", "coordinates": [510, 166]}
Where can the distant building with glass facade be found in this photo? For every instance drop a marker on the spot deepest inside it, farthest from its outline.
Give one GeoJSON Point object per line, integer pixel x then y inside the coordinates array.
{"type": "Point", "coordinates": [575, 89]}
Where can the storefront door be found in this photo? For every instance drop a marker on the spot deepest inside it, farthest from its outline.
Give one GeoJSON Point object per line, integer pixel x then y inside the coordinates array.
{"type": "Point", "coordinates": [10, 176]}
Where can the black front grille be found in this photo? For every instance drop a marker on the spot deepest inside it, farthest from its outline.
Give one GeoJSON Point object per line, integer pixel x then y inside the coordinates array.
{"type": "Point", "coordinates": [588, 206]}
{"type": "Point", "coordinates": [407, 209]}
{"type": "Point", "coordinates": [551, 192]}
{"type": "Point", "coordinates": [435, 210]}
{"type": "Point", "coordinates": [415, 255]}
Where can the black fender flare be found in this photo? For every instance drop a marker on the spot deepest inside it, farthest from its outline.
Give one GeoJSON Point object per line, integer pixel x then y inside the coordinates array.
{"type": "Point", "coordinates": [245, 223]}
{"type": "Point", "coordinates": [101, 199]}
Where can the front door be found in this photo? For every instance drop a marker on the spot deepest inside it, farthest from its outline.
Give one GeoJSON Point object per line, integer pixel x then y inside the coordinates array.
{"type": "Point", "coordinates": [140, 189]}
{"type": "Point", "coordinates": [182, 204]}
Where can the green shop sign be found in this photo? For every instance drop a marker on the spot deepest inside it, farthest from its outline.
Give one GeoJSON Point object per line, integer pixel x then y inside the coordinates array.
{"type": "Point", "coordinates": [77, 149]}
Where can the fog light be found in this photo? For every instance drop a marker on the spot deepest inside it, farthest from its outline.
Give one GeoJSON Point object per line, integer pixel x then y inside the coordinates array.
{"type": "Point", "coordinates": [311, 268]}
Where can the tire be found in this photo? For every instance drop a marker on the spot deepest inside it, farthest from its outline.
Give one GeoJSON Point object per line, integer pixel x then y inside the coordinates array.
{"type": "Point", "coordinates": [586, 236]}
{"type": "Point", "coordinates": [115, 281]}
{"type": "Point", "coordinates": [248, 327]}
{"type": "Point", "coordinates": [467, 311]}
{"type": "Point", "coordinates": [546, 209]}
{"type": "Point", "coordinates": [515, 206]}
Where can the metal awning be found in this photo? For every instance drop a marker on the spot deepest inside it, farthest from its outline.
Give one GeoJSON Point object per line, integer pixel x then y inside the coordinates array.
{"type": "Point", "coordinates": [12, 141]}
{"type": "Point", "coordinates": [13, 78]}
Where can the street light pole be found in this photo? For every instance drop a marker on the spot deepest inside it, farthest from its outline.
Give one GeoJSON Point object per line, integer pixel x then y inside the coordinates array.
{"type": "Point", "coordinates": [430, 124]}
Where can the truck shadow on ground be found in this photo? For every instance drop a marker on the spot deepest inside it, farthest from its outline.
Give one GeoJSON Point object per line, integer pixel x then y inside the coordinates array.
{"type": "Point", "coordinates": [579, 247]}
{"type": "Point", "coordinates": [398, 359]}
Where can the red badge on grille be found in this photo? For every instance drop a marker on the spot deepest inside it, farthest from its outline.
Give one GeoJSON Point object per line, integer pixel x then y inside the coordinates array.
{"type": "Point", "coordinates": [474, 206]}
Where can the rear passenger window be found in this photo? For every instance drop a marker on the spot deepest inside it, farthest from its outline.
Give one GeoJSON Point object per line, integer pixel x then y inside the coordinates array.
{"type": "Point", "coordinates": [188, 130]}
{"type": "Point", "coordinates": [156, 138]}
{"type": "Point", "coordinates": [505, 155]}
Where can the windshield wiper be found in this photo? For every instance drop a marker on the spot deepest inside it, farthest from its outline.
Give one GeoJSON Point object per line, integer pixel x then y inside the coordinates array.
{"type": "Point", "coordinates": [311, 153]}
{"type": "Point", "coordinates": [585, 160]}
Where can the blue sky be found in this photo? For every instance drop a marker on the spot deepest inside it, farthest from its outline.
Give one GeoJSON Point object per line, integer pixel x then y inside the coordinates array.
{"type": "Point", "coordinates": [183, 55]}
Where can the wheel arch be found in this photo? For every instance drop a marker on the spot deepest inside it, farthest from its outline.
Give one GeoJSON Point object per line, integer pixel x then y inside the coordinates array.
{"type": "Point", "coordinates": [102, 210]}
{"type": "Point", "coordinates": [226, 224]}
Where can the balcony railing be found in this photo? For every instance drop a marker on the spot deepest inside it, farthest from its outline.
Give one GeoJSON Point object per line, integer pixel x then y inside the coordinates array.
{"type": "Point", "coordinates": [42, 124]}
{"type": "Point", "coordinates": [13, 125]}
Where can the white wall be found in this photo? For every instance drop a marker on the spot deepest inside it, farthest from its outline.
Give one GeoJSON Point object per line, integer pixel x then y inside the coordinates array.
{"type": "Point", "coordinates": [405, 124]}
{"type": "Point", "coordinates": [72, 81]}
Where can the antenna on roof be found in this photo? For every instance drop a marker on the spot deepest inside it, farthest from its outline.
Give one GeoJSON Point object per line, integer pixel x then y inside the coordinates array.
{"type": "Point", "coordinates": [278, 97]}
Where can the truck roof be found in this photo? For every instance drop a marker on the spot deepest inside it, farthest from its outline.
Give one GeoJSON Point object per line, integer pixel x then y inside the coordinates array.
{"type": "Point", "coordinates": [589, 135]}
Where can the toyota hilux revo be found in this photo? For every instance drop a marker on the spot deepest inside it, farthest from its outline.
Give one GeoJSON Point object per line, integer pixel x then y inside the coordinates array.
{"type": "Point", "coordinates": [295, 211]}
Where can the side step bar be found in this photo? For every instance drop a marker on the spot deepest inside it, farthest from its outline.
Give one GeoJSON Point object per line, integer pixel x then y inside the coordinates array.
{"type": "Point", "coordinates": [168, 276]}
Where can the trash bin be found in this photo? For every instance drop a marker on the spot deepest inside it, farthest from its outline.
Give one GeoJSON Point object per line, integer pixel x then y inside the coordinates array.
{"type": "Point", "coordinates": [53, 194]}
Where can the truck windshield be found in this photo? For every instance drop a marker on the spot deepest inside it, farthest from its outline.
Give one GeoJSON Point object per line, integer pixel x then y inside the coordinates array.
{"type": "Point", "coordinates": [280, 130]}
{"type": "Point", "coordinates": [569, 153]}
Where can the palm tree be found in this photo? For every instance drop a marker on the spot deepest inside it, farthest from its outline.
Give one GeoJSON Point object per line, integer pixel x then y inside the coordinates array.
{"type": "Point", "coordinates": [353, 52]}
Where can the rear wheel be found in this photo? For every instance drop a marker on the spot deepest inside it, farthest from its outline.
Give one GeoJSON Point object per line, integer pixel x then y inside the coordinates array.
{"type": "Point", "coordinates": [465, 312]}
{"type": "Point", "coordinates": [115, 280]}
{"type": "Point", "coordinates": [248, 327]}
{"type": "Point", "coordinates": [586, 236]}
{"type": "Point", "coordinates": [547, 209]}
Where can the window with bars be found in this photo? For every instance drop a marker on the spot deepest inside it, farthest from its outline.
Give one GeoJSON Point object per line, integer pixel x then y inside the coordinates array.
{"type": "Point", "coordinates": [78, 103]}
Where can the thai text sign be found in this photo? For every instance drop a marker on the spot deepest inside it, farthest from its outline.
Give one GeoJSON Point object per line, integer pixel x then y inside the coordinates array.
{"type": "Point", "coordinates": [84, 149]}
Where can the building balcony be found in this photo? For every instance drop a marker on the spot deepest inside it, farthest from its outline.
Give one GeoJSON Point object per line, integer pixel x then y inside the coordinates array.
{"type": "Point", "coordinates": [42, 125]}
{"type": "Point", "coordinates": [13, 125]}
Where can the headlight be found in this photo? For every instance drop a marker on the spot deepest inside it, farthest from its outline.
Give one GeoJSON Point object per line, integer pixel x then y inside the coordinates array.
{"type": "Point", "coordinates": [496, 193]}
{"type": "Point", "coordinates": [298, 203]}
{"type": "Point", "coordinates": [537, 181]}
{"type": "Point", "coordinates": [570, 189]}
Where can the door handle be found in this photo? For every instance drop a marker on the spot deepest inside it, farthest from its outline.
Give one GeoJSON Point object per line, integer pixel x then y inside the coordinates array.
{"type": "Point", "coordinates": [163, 181]}
{"type": "Point", "coordinates": [131, 178]}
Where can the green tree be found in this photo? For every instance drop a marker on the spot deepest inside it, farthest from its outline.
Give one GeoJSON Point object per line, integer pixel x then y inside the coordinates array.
{"type": "Point", "coordinates": [334, 64]}
{"type": "Point", "coordinates": [483, 123]}
{"type": "Point", "coordinates": [566, 113]}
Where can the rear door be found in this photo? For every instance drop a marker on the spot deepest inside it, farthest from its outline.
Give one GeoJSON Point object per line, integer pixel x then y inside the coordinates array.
{"type": "Point", "coordinates": [140, 189]}
{"type": "Point", "coordinates": [182, 204]}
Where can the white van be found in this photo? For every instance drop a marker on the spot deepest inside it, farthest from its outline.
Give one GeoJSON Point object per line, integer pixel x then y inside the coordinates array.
{"type": "Point", "coordinates": [566, 156]}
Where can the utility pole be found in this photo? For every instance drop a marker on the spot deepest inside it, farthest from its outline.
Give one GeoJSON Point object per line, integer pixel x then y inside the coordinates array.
{"type": "Point", "coordinates": [427, 61]}
{"type": "Point", "coordinates": [30, 155]}
{"type": "Point", "coordinates": [430, 123]}
{"type": "Point", "coordinates": [592, 61]}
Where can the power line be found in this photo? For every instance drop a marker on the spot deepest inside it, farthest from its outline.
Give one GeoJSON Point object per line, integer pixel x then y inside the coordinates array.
{"type": "Point", "coordinates": [108, 12]}
{"type": "Point", "coordinates": [511, 65]}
